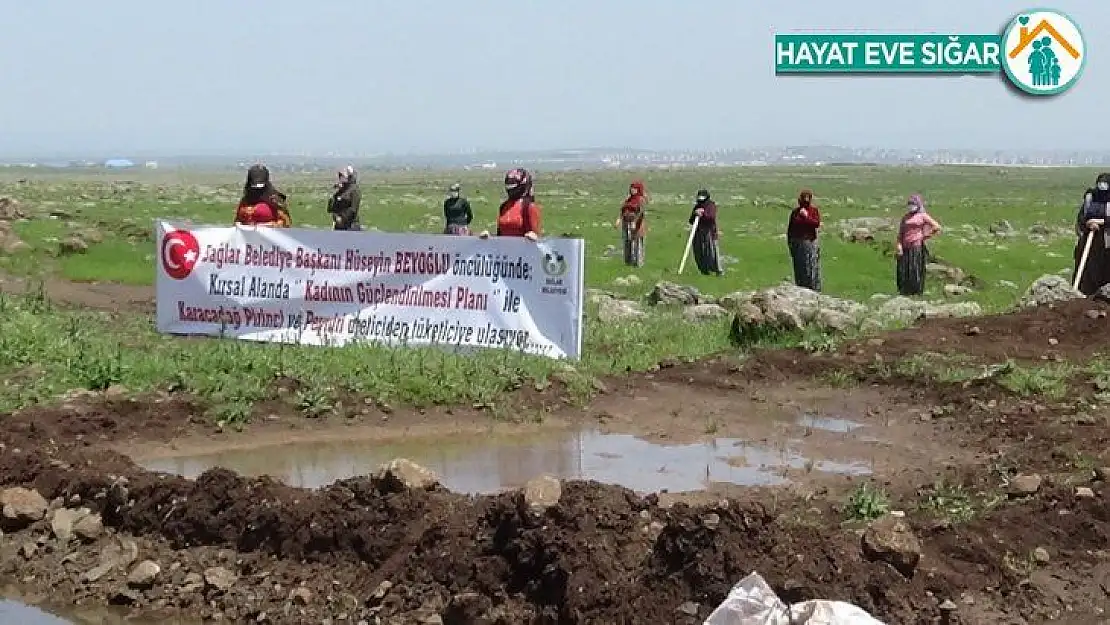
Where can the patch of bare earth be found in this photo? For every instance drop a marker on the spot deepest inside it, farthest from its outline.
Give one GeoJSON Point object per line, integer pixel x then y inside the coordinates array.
{"type": "Point", "coordinates": [374, 549]}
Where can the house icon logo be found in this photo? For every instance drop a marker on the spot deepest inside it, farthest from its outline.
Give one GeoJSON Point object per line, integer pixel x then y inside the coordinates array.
{"type": "Point", "coordinates": [1043, 52]}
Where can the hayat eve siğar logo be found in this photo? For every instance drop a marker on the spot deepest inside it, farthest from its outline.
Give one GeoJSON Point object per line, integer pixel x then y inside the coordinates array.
{"type": "Point", "coordinates": [180, 252]}
{"type": "Point", "coordinates": [1043, 52]}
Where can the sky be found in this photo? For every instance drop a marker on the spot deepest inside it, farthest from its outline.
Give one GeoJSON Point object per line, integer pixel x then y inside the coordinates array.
{"type": "Point", "coordinates": [432, 76]}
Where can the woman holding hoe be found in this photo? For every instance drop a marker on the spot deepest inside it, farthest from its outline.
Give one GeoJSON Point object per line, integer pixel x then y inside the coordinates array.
{"type": "Point", "coordinates": [1094, 237]}
{"type": "Point", "coordinates": [916, 227]}
{"type": "Point", "coordinates": [706, 234]}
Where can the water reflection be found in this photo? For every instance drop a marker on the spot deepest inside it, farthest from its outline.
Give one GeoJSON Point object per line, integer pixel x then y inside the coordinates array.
{"type": "Point", "coordinates": [487, 464]}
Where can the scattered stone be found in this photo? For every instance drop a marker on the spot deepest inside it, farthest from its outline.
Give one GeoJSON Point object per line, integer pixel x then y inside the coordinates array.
{"type": "Point", "coordinates": [1041, 556]}
{"type": "Point", "coordinates": [21, 507]}
{"type": "Point", "coordinates": [1025, 485]}
{"type": "Point", "coordinates": [689, 608]}
{"type": "Point", "coordinates": [402, 474]}
{"type": "Point", "coordinates": [956, 290]}
{"type": "Point", "coordinates": [860, 235]}
{"type": "Point", "coordinates": [28, 549]}
{"type": "Point", "coordinates": [89, 527]}
{"type": "Point", "coordinates": [144, 574]}
{"type": "Point", "coordinates": [192, 583]}
{"type": "Point", "coordinates": [671, 294]}
{"type": "Point", "coordinates": [94, 574]}
{"type": "Point", "coordinates": [890, 539]}
{"type": "Point", "coordinates": [703, 312]}
{"type": "Point", "coordinates": [73, 245]}
{"type": "Point", "coordinates": [863, 229]}
{"type": "Point", "coordinates": [951, 274]}
{"type": "Point", "coordinates": [62, 521]}
{"type": "Point", "coordinates": [1048, 289]}
{"type": "Point", "coordinates": [542, 492]}
{"type": "Point", "coordinates": [382, 590]}
{"type": "Point", "coordinates": [627, 281]}
{"type": "Point", "coordinates": [300, 596]}
{"type": "Point", "coordinates": [220, 578]}
{"type": "Point", "coordinates": [973, 331]}
{"type": "Point", "coordinates": [1084, 492]}
{"type": "Point", "coordinates": [120, 553]}
{"type": "Point", "coordinates": [1102, 474]}
{"type": "Point", "coordinates": [611, 310]}
{"type": "Point", "coordinates": [1001, 229]}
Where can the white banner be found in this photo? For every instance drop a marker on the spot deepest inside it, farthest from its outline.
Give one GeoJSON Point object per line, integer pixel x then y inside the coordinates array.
{"type": "Point", "coordinates": [323, 287]}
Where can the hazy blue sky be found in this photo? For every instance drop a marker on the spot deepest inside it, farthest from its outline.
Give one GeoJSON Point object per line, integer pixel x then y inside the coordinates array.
{"type": "Point", "coordinates": [436, 75]}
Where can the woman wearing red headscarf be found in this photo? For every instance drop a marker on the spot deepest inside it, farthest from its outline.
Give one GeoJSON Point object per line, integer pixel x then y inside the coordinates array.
{"type": "Point", "coordinates": [519, 215]}
{"type": "Point", "coordinates": [631, 223]}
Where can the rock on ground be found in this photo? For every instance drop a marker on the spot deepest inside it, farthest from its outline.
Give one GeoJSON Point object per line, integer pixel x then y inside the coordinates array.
{"type": "Point", "coordinates": [789, 307]}
{"type": "Point", "coordinates": [144, 574]}
{"type": "Point", "coordinates": [612, 310]}
{"type": "Point", "coordinates": [863, 229]}
{"type": "Point", "coordinates": [891, 540]}
{"type": "Point", "coordinates": [704, 312]}
{"type": "Point", "coordinates": [22, 506]}
{"type": "Point", "coordinates": [1048, 289]}
{"type": "Point", "coordinates": [671, 294]}
{"type": "Point", "coordinates": [542, 492]}
{"type": "Point", "coordinates": [402, 474]}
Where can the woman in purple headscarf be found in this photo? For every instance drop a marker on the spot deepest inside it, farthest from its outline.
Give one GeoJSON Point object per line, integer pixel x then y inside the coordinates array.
{"type": "Point", "coordinates": [916, 227]}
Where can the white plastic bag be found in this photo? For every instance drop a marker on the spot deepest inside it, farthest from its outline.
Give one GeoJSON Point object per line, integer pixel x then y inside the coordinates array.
{"type": "Point", "coordinates": [752, 602]}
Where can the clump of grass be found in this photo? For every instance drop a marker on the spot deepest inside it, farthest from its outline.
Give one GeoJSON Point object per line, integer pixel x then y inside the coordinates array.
{"type": "Point", "coordinates": [839, 378]}
{"type": "Point", "coordinates": [1049, 381]}
{"type": "Point", "coordinates": [951, 502]}
{"type": "Point", "coordinates": [867, 503]}
{"type": "Point", "coordinates": [944, 368]}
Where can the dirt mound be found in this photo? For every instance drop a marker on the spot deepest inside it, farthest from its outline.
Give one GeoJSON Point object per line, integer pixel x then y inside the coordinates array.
{"type": "Point", "coordinates": [602, 555]}
{"type": "Point", "coordinates": [255, 550]}
{"type": "Point", "coordinates": [89, 418]}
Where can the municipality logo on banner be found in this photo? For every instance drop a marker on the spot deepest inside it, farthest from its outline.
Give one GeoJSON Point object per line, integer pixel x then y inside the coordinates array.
{"type": "Point", "coordinates": [1041, 51]}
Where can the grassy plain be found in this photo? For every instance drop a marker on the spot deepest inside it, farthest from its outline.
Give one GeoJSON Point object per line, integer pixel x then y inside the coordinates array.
{"type": "Point", "coordinates": [45, 350]}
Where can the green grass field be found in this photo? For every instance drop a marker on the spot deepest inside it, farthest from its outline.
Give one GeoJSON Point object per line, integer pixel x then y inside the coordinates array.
{"type": "Point", "coordinates": [1003, 227]}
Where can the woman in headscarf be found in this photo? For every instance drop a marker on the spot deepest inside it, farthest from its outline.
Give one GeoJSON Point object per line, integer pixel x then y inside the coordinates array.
{"type": "Point", "coordinates": [801, 238]}
{"type": "Point", "coordinates": [916, 227]}
{"type": "Point", "coordinates": [706, 235]}
{"type": "Point", "coordinates": [519, 215]}
{"type": "Point", "coordinates": [456, 212]}
{"type": "Point", "coordinates": [262, 204]}
{"type": "Point", "coordinates": [631, 223]}
{"type": "Point", "coordinates": [1091, 223]}
{"type": "Point", "coordinates": [346, 200]}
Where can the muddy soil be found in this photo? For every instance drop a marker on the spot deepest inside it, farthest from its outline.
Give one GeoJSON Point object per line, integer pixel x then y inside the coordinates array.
{"type": "Point", "coordinates": [102, 296]}
{"type": "Point", "coordinates": [375, 550]}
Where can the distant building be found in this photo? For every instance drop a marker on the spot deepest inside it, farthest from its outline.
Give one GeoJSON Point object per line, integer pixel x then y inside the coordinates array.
{"type": "Point", "coordinates": [151, 164]}
{"type": "Point", "coordinates": [118, 163]}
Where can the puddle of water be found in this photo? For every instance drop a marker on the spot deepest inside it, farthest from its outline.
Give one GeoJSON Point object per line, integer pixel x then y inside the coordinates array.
{"type": "Point", "coordinates": [14, 611]}
{"type": "Point", "coordinates": [485, 465]}
{"type": "Point", "coordinates": [828, 424]}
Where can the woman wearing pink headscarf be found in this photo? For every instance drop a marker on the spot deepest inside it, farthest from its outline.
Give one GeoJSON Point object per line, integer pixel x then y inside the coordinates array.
{"type": "Point", "coordinates": [916, 227]}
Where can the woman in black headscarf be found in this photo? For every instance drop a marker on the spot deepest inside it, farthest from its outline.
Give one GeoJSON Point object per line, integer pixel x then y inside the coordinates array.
{"type": "Point", "coordinates": [1091, 224]}
{"type": "Point", "coordinates": [262, 204]}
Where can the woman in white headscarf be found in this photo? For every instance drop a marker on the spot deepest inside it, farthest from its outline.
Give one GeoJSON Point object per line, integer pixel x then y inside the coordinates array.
{"type": "Point", "coordinates": [344, 202]}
